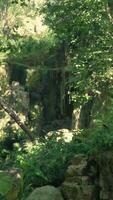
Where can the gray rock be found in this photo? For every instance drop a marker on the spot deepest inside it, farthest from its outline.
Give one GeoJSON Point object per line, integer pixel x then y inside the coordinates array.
{"type": "Point", "coordinates": [45, 193]}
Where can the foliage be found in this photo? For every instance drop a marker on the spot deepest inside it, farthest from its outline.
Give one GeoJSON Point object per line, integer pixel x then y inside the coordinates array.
{"type": "Point", "coordinates": [47, 163]}
{"type": "Point", "coordinates": [5, 183]}
{"type": "Point", "coordinates": [87, 40]}
{"type": "Point", "coordinates": [70, 62]}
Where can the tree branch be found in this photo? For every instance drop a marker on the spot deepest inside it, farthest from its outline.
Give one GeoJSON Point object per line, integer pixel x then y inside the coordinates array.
{"type": "Point", "coordinates": [16, 118]}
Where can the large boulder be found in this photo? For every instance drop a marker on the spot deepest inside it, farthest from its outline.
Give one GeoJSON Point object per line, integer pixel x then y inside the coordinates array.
{"type": "Point", "coordinates": [45, 193]}
{"type": "Point", "coordinates": [11, 183]}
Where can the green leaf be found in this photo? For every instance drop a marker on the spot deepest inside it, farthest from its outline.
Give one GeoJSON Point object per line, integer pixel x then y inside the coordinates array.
{"type": "Point", "coordinates": [6, 183]}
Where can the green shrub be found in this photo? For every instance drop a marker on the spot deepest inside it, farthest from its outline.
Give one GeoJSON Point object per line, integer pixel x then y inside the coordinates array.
{"type": "Point", "coordinates": [47, 162]}
{"type": "Point", "coordinates": [100, 140]}
{"type": "Point", "coordinates": [44, 164]}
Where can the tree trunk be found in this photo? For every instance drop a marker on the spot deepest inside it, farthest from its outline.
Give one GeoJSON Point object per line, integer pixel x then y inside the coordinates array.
{"type": "Point", "coordinates": [86, 114]}
{"type": "Point", "coordinates": [15, 117]}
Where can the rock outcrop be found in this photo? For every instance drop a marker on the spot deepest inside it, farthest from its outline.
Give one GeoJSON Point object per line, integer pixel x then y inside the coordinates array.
{"type": "Point", "coordinates": [80, 181]}
{"type": "Point", "coordinates": [45, 193]}
{"type": "Point", "coordinates": [89, 178]}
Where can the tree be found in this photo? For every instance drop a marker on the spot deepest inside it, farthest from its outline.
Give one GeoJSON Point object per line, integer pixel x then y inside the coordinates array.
{"type": "Point", "coordinates": [86, 29]}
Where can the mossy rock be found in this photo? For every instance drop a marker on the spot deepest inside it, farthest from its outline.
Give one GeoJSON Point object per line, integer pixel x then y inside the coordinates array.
{"type": "Point", "coordinates": [46, 193]}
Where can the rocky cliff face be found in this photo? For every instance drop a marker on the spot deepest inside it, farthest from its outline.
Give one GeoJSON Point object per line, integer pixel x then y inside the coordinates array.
{"type": "Point", "coordinates": [89, 178]}
{"type": "Point", "coordinates": [81, 180]}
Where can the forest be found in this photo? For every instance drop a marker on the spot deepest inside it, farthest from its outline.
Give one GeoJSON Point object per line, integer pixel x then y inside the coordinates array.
{"type": "Point", "coordinates": [56, 100]}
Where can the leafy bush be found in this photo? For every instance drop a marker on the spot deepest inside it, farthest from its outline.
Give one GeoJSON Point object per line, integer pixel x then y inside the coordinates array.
{"type": "Point", "coordinates": [47, 162]}
{"type": "Point", "coordinates": [100, 140]}
{"type": "Point", "coordinates": [44, 164]}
